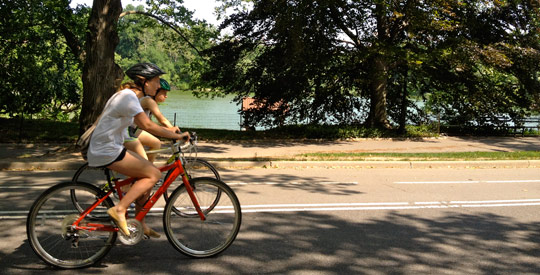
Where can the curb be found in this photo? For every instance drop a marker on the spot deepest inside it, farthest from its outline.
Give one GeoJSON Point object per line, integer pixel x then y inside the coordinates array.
{"type": "Point", "coordinates": [50, 165]}
{"type": "Point", "coordinates": [74, 165]}
{"type": "Point", "coordinates": [403, 164]}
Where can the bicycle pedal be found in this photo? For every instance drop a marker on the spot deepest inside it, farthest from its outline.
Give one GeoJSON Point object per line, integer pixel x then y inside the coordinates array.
{"type": "Point", "coordinates": [136, 233]}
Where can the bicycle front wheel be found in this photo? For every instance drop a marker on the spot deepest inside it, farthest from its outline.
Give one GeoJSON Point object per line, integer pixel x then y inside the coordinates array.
{"type": "Point", "coordinates": [51, 235]}
{"type": "Point", "coordinates": [197, 238]}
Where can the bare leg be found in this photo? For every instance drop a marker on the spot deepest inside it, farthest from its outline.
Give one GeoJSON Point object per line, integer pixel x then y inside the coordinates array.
{"type": "Point", "coordinates": [134, 165]}
{"type": "Point", "coordinates": [151, 141]}
{"type": "Point", "coordinates": [137, 147]}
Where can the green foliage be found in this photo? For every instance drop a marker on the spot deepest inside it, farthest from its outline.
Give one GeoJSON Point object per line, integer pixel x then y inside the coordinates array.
{"type": "Point", "coordinates": [468, 60]}
{"type": "Point", "coordinates": [42, 130]}
{"type": "Point", "coordinates": [40, 73]}
{"type": "Point", "coordinates": [38, 130]}
{"type": "Point", "coordinates": [487, 66]}
{"type": "Point", "coordinates": [144, 39]}
{"type": "Point", "coordinates": [42, 52]}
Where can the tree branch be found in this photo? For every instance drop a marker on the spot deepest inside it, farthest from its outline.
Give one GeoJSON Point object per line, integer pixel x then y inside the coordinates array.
{"type": "Point", "coordinates": [72, 42]}
{"type": "Point", "coordinates": [165, 23]}
{"type": "Point", "coordinates": [335, 15]}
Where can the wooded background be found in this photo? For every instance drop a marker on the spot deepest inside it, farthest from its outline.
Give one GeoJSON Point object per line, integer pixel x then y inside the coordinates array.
{"type": "Point", "coordinates": [379, 63]}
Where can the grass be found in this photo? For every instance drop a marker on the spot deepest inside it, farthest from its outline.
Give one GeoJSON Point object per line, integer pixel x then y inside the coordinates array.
{"type": "Point", "coordinates": [37, 131]}
{"type": "Point", "coordinates": [450, 156]}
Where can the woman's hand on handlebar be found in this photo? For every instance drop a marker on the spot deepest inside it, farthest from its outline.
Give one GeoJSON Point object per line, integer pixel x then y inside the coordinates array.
{"type": "Point", "coordinates": [184, 136]}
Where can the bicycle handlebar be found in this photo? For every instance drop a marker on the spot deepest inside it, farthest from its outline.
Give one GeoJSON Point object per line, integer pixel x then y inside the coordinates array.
{"type": "Point", "coordinates": [192, 142]}
{"type": "Point", "coordinates": [177, 145]}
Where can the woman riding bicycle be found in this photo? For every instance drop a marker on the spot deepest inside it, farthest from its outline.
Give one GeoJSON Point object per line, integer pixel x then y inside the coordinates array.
{"type": "Point", "coordinates": [137, 138]}
{"type": "Point", "coordinates": [106, 145]}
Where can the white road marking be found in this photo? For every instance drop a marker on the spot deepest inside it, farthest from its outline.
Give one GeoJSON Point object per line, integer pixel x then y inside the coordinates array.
{"type": "Point", "coordinates": [511, 181]}
{"type": "Point", "coordinates": [294, 183]}
{"type": "Point", "coordinates": [228, 183]}
{"type": "Point", "coordinates": [436, 182]}
{"type": "Point", "coordinates": [465, 181]}
{"type": "Point", "coordinates": [367, 206]}
{"type": "Point", "coordinates": [388, 206]}
{"type": "Point", "coordinates": [24, 187]}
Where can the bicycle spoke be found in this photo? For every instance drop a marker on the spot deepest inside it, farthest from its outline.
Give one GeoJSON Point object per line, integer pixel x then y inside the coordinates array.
{"type": "Point", "coordinates": [202, 238]}
{"type": "Point", "coordinates": [51, 234]}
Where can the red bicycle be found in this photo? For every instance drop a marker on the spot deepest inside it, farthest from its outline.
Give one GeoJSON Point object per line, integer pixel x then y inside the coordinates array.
{"type": "Point", "coordinates": [68, 225]}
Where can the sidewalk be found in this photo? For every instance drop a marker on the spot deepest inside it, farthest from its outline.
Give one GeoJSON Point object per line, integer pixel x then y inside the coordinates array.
{"type": "Point", "coordinates": [246, 153]}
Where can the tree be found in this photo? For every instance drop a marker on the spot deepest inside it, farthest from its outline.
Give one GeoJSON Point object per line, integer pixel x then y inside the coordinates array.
{"type": "Point", "coordinates": [174, 48]}
{"type": "Point", "coordinates": [486, 65]}
{"type": "Point", "coordinates": [45, 45]}
{"type": "Point", "coordinates": [322, 56]}
{"type": "Point", "coordinates": [40, 75]}
{"type": "Point", "coordinates": [325, 55]}
{"type": "Point", "coordinates": [101, 75]}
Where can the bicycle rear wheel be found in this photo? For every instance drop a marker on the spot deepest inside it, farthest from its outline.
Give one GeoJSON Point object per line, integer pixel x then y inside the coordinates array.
{"type": "Point", "coordinates": [49, 230]}
{"type": "Point", "coordinates": [197, 238]}
{"type": "Point", "coordinates": [93, 175]}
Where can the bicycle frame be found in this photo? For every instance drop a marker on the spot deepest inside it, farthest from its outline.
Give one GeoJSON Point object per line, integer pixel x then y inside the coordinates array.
{"type": "Point", "coordinates": [178, 170]}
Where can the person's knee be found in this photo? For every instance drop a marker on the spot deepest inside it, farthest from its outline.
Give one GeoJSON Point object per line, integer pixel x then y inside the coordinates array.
{"type": "Point", "coordinates": [154, 174]}
{"type": "Point", "coordinates": [155, 144]}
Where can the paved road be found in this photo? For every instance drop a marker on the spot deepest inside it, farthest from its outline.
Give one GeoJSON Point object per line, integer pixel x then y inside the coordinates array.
{"type": "Point", "coordinates": [333, 221]}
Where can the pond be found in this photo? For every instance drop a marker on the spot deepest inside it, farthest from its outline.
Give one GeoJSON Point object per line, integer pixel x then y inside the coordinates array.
{"type": "Point", "coordinates": [205, 113]}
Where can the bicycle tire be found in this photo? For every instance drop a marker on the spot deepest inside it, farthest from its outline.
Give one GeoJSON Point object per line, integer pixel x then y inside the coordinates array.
{"type": "Point", "coordinates": [196, 238]}
{"type": "Point", "coordinates": [88, 174]}
{"type": "Point", "coordinates": [192, 167]}
{"type": "Point", "coordinates": [62, 246]}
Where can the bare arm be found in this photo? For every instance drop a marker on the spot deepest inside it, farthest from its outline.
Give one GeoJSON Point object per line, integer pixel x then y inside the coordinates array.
{"type": "Point", "coordinates": [150, 104]}
{"type": "Point", "coordinates": [142, 120]}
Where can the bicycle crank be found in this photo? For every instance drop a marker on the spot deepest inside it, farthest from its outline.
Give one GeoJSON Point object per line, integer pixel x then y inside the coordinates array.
{"type": "Point", "coordinates": [136, 233]}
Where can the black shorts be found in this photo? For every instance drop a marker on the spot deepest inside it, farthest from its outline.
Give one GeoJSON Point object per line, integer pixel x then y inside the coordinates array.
{"type": "Point", "coordinates": [119, 158]}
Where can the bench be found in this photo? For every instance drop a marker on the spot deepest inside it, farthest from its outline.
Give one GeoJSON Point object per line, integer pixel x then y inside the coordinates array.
{"type": "Point", "coordinates": [514, 127]}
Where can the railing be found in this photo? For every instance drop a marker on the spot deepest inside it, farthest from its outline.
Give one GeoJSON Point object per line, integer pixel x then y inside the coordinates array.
{"type": "Point", "coordinates": [498, 125]}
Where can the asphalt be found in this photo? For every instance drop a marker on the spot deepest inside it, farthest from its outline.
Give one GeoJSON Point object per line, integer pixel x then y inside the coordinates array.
{"type": "Point", "coordinates": [248, 154]}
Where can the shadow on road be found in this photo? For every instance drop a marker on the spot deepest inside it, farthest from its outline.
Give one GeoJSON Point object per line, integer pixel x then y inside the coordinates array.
{"type": "Point", "coordinates": [398, 243]}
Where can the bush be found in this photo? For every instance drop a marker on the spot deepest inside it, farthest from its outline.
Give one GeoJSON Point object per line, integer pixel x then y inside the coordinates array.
{"type": "Point", "coordinates": [40, 130]}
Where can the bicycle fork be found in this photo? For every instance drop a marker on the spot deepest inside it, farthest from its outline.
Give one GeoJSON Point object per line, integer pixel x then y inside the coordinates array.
{"type": "Point", "coordinates": [179, 171]}
{"type": "Point", "coordinates": [189, 189]}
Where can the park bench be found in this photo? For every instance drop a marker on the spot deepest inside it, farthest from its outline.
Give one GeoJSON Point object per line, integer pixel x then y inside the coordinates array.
{"type": "Point", "coordinates": [514, 127]}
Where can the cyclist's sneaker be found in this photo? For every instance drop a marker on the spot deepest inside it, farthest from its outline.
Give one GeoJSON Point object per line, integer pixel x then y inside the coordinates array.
{"type": "Point", "coordinates": [122, 224]}
{"type": "Point", "coordinates": [151, 233]}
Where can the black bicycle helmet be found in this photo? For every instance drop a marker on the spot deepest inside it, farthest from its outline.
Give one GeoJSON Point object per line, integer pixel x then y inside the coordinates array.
{"type": "Point", "coordinates": [145, 70]}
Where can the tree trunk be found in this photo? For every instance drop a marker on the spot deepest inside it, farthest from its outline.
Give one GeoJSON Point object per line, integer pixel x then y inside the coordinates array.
{"type": "Point", "coordinates": [101, 76]}
{"type": "Point", "coordinates": [404, 102]}
{"type": "Point", "coordinates": [377, 112]}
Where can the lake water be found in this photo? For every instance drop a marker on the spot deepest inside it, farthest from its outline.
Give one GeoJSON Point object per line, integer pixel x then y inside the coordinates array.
{"type": "Point", "coordinates": [206, 113]}
{"type": "Point", "coordinates": [215, 113]}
